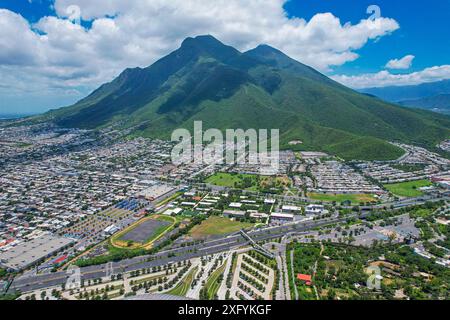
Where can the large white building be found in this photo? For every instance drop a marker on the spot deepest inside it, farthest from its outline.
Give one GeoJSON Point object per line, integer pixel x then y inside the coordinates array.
{"type": "Point", "coordinates": [314, 209]}
{"type": "Point", "coordinates": [291, 209]}
{"type": "Point", "coordinates": [281, 217]}
{"type": "Point", "coordinates": [234, 214]}
{"type": "Point", "coordinates": [235, 205]}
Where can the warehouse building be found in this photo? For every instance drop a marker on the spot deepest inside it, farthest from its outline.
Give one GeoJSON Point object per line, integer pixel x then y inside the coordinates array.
{"type": "Point", "coordinates": [158, 192]}
{"type": "Point", "coordinates": [31, 252]}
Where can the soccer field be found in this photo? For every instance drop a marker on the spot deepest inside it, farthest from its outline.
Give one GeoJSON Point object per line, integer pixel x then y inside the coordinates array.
{"type": "Point", "coordinates": [408, 189]}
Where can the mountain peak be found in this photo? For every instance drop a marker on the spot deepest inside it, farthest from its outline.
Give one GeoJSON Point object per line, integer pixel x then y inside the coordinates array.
{"type": "Point", "coordinates": [263, 88]}
{"type": "Point", "coordinates": [266, 48]}
{"type": "Point", "coordinates": [201, 40]}
{"type": "Point", "coordinates": [207, 44]}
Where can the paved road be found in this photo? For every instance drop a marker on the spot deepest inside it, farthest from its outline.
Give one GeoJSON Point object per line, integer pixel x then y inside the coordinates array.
{"type": "Point", "coordinates": [164, 257]}
{"type": "Point", "coordinates": [292, 274]}
{"type": "Point", "coordinates": [178, 254]}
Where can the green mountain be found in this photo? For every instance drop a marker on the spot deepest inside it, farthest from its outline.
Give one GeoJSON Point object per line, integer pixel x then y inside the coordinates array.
{"type": "Point", "coordinates": [262, 88]}
{"type": "Point", "coordinates": [439, 103]}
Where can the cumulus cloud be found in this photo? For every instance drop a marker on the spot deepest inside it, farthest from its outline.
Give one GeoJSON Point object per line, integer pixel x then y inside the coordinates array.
{"type": "Point", "coordinates": [134, 33]}
{"type": "Point", "coordinates": [385, 78]}
{"type": "Point", "coordinates": [15, 50]}
{"type": "Point", "coordinates": [322, 42]}
{"type": "Point", "coordinates": [403, 63]}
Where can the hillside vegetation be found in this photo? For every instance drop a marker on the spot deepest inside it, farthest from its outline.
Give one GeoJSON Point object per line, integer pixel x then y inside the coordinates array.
{"type": "Point", "coordinates": [262, 88]}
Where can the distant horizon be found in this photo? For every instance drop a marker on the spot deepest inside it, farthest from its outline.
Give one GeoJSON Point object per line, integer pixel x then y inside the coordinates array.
{"type": "Point", "coordinates": [6, 116]}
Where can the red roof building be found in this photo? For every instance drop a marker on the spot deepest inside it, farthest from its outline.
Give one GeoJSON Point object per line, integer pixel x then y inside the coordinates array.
{"type": "Point", "coordinates": [306, 278]}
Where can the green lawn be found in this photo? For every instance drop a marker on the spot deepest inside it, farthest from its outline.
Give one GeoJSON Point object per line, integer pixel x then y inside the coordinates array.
{"type": "Point", "coordinates": [213, 285]}
{"type": "Point", "coordinates": [354, 198]}
{"type": "Point", "coordinates": [408, 189]}
{"type": "Point", "coordinates": [249, 181]}
{"type": "Point", "coordinates": [215, 225]}
{"type": "Point", "coordinates": [233, 180]}
{"type": "Point", "coordinates": [183, 287]}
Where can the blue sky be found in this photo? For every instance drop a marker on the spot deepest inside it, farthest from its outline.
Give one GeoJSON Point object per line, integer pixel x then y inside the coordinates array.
{"type": "Point", "coordinates": [58, 58]}
{"type": "Point", "coordinates": [424, 30]}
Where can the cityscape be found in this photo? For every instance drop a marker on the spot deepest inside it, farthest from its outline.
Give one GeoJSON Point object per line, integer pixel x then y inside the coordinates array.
{"type": "Point", "coordinates": [138, 226]}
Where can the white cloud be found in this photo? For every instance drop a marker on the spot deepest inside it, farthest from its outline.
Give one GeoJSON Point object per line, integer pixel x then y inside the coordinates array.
{"type": "Point", "coordinates": [17, 50]}
{"type": "Point", "coordinates": [403, 63]}
{"type": "Point", "coordinates": [138, 32]}
{"type": "Point", "coordinates": [385, 78]}
{"type": "Point", "coordinates": [321, 42]}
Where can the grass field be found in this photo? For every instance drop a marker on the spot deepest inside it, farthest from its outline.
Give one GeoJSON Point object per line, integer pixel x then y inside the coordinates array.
{"type": "Point", "coordinates": [118, 241]}
{"type": "Point", "coordinates": [408, 189]}
{"type": "Point", "coordinates": [212, 284]}
{"type": "Point", "coordinates": [233, 180]}
{"type": "Point", "coordinates": [248, 181]}
{"type": "Point", "coordinates": [215, 225]}
{"type": "Point", "coordinates": [183, 287]}
{"type": "Point", "coordinates": [354, 198]}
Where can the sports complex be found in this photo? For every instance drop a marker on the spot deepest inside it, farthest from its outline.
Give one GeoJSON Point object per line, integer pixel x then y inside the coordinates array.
{"type": "Point", "coordinates": [143, 233]}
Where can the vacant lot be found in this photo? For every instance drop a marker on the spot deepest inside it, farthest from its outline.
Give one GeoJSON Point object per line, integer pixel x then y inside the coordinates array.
{"type": "Point", "coordinates": [354, 198]}
{"type": "Point", "coordinates": [275, 182]}
{"type": "Point", "coordinates": [215, 225]}
{"type": "Point", "coordinates": [408, 189]}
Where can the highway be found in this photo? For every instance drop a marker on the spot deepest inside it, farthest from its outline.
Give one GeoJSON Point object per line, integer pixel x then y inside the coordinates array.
{"type": "Point", "coordinates": [25, 284]}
